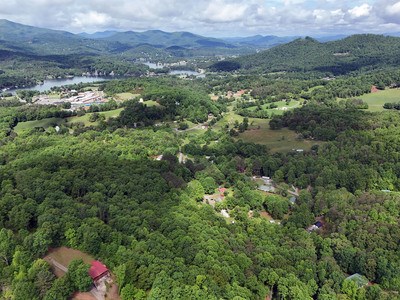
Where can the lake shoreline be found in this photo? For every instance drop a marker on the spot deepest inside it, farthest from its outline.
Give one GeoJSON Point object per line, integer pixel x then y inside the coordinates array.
{"type": "Point", "coordinates": [47, 84]}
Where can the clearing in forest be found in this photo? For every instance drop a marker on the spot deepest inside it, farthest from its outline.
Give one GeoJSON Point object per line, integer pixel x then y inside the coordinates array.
{"type": "Point", "coordinates": [282, 140]}
{"type": "Point", "coordinates": [63, 256]}
{"type": "Point", "coordinates": [51, 122]}
{"type": "Point", "coordinates": [375, 101]}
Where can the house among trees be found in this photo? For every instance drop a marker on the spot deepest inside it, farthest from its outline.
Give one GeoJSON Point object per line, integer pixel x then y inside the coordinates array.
{"type": "Point", "coordinates": [317, 225]}
{"type": "Point", "coordinates": [358, 279]}
{"type": "Point", "coordinates": [374, 89]}
{"type": "Point", "coordinates": [99, 273]}
{"type": "Point", "coordinates": [222, 191]}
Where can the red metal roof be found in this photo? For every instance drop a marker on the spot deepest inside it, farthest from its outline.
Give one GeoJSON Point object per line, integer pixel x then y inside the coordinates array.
{"type": "Point", "coordinates": [97, 269]}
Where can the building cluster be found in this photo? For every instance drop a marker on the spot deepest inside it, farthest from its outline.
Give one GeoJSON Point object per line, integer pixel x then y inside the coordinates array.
{"type": "Point", "coordinates": [77, 100]}
{"type": "Point", "coordinates": [238, 94]}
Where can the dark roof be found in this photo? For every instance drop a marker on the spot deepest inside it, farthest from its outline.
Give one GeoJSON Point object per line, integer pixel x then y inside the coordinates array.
{"type": "Point", "coordinates": [318, 224]}
{"type": "Point", "coordinates": [97, 269]}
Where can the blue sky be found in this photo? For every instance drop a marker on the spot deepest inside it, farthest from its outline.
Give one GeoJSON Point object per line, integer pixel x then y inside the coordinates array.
{"type": "Point", "coordinates": [212, 18]}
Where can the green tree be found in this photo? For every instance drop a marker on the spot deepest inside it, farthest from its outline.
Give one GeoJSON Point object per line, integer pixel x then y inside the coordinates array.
{"type": "Point", "coordinates": [78, 275]}
{"type": "Point", "coordinates": [42, 277]}
{"type": "Point", "coordinates": [195, 190]}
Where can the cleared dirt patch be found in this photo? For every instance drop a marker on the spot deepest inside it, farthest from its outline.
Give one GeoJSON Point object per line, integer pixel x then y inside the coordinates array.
{"type": "Point", "coordinates": [64, 256]}
{"type": "Point", "coordinates": [83, 296]}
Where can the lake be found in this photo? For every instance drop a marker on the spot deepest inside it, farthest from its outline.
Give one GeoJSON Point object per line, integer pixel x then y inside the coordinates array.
{"type": "Point", "coordinates": [48, 84]}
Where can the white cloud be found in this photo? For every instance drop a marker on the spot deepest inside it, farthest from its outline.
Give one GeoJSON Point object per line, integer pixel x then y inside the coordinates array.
{"type": "Point", "coordinates": [219, 11]}
{"type": "Point", "coordinates": [91, 19]}
{"type": "Point", "coordinates": [360, 11]}
{"type": "Point", "coordinates": [208, 17]}
{"type": "Point", "coordinates": [393, 9]}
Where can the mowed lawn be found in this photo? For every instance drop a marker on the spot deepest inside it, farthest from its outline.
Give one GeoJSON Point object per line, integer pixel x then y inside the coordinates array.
{"type": "Point", "coordinates": [282, 140]}
{"type": "Point", "coordinates": [85, 119]}
{"type": "Point", "coordinates": [375, 101]}
{"type": "Point", "coordinates": [51, 122]}
{"type": "Point", "coordinates": [125, 96]}
{"type": "Point", "coordinates": [282, 107]}
{"type": "Point", "coordinates": [45, 123]}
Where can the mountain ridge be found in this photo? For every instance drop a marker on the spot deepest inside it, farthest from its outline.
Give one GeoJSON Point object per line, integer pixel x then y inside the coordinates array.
{"type": "Point", "coordinates": [307, 54]}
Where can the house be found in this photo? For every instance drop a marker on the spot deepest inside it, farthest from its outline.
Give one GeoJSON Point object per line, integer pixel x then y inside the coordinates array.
{"type": "Point", "coordinates": [358, 279]}
{"type": "Point", "coordinates": [225, 213]}
{"type": "Point", "coordinates": [267, 186]}
{"type": "Point", "coordinates": [98, 272]}
{"type": "Point", "coordinates": [312, 228]}
{"type": "Point", "coordinates": [222, 191]}
{"type": "Point", "coordinates": [374, 89]}
{"type": "Point", "coordinates": [318, 224]}
{"type": "Point", "coordinates": [239, 93]}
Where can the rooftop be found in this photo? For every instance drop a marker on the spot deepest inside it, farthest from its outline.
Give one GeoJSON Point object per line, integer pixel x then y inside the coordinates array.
{"type": "Point", "coordinates": [97, 269]}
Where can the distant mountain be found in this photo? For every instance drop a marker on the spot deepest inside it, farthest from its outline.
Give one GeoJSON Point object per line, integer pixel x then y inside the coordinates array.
{"type": "Point", "coordinates": [260, 41]}
{"type": "Point", "coordinates": [98, 35]}
{"type": "Point", "coordinates": [167, 39]}
{"type": "Point", "coordinates": [366, 51]}
{"type": "Point", "coordinates": [41, 41]}
{"type": "Point", "coordinates": [48, 41]}
{"type": "Point", "coordinates": [11, 31]}
{"type": "Point", "coordinates": [270, 41]}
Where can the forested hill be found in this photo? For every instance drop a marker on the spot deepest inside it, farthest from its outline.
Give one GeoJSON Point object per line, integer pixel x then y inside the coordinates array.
{"type": "Point", "coordinates": [47, 41]}
{"type": "Point", "coordinates": [166, 39]}
{"type": "Point", "coordinates": [338, 57]}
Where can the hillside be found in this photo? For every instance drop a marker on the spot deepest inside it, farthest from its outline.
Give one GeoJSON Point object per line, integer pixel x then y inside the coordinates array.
{"type": "Point", "coordinates": [99, 34]}
{"type": "Point", "coordinates": [47, 41]}
{"type": "Point", "coordinates": [267, 41]}
{"type": "Point", "coordinates": [336, 57]}
{"type": "Point", "coordinates": [166, 39]}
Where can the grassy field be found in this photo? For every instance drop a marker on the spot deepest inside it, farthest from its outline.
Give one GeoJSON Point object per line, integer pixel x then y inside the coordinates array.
{"type": "Point", "coordinates": [51, 122]}
{"type": "Point", "coordinates": [375, 101]}
{"type": "Point", "coordinates": [229, 119]}
{"type": "Point", "coordinates": [151, 103]}
{"type": "Point", "coordinates": [282, 140]}
{"type": "Point", "coordinates": [45, 123]}
{"type": "Point", "coordinates": [85, 119]}
{"type": "Point", "coordinates": [281, 107]}
{"type": "Point", "coordinates": [125, 96]}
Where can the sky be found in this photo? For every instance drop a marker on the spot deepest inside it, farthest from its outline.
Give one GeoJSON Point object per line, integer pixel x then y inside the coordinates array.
{"type": "Point", "coordinates": [216, 18]}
